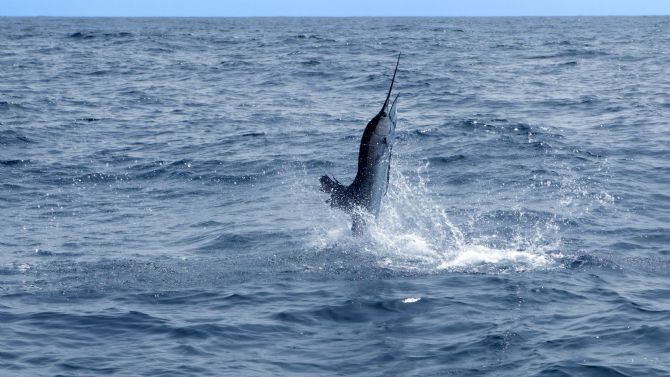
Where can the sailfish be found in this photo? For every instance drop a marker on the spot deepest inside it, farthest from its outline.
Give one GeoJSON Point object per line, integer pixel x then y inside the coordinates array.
{"type": "Point", "coordinates": [371, 183]}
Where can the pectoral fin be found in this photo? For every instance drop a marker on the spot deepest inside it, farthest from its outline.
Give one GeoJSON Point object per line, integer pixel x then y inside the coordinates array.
{"type": "Point", "coordinates": [340, 195]}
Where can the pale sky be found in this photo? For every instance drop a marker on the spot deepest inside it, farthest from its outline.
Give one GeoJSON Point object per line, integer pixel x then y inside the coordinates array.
{"type": "Point", "coordinates": [336, 8]}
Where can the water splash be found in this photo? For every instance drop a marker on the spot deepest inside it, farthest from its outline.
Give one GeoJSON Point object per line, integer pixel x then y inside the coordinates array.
{"type": "Point", "coordinates": [415, 233]}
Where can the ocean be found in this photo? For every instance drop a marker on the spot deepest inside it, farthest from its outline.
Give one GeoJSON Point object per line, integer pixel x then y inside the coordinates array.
{"type": "Point", "coordinates": [160, 212]}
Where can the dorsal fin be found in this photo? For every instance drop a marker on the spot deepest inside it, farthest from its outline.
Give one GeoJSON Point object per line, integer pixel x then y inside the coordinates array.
{"type": "Point", "coordinates": [392, 81]}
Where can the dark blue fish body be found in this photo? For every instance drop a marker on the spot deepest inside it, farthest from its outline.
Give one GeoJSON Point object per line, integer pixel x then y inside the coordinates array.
{"type": "Point", "coordinates": [374, 158]}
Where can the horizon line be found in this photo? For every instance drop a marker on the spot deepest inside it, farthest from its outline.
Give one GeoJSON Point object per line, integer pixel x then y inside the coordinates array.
{"type": "Point", "coordinates": [356, 16]}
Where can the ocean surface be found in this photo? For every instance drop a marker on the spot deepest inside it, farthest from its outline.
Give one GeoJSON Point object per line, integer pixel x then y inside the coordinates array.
{"type": "Point", "coordinates": [160, 212]}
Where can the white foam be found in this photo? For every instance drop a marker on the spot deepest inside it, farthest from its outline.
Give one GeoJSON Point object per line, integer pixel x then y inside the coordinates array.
{"type": "Point", "coordinates": [473, 255]}
{"type": "Point", "coordinates": [413, 232]}
{"type": "Point", "coordinates": [410, 251]}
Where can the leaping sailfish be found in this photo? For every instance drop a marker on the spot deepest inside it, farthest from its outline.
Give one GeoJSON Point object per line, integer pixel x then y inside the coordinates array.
{"type": "Point", "coordinates": [374, 158]}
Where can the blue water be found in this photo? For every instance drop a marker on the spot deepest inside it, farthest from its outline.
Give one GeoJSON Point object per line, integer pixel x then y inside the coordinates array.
{"type": "Point", "coordinates": [160, 212]}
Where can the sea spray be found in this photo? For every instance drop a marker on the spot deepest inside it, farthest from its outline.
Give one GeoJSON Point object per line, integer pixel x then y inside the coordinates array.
{"type": "Point", "coordinates": [414, 232]}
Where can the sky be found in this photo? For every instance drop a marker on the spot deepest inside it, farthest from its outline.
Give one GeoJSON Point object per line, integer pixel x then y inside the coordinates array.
{"type": "Point", "coordinates": [335, 8]}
